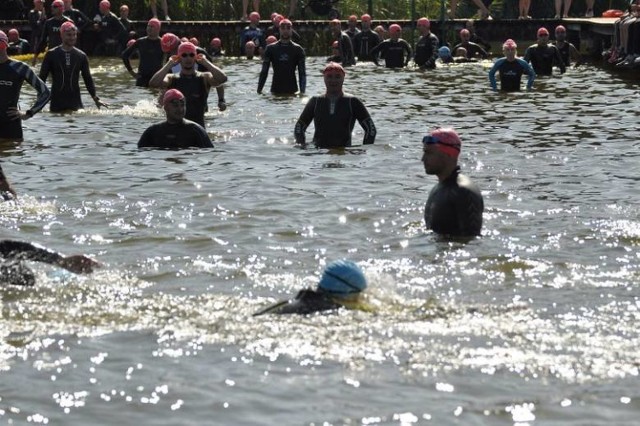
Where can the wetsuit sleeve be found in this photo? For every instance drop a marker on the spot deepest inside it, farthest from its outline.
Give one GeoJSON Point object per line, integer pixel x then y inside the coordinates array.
{"type": "Point", "coordinates": [44, 38]}
{"type": "Point", "coordinates": [45, 68]}
{"type": "Point", "coordinates": [376, 50]}
{"type": "Point", "coordinates": [88, 79]}
{"type": "Point", "coordinates": [528, 69]}
{"type": "Point", "coordinates": [364, 118]}
{"type": "Point", "coordinates": [302, 71]}
{"type": "Point", "coordinates": [146, 140]}
{"type": "Point", "coordinates": [304, 120]}
{"type": "Point", "coordinates": [203, 137]}
{"type": "Point", "coordinates": [559, 62]}
{"type": "Point", "coordinates": [492, 73]}
{"type": "Point", "coordinates": [434, 55]}
{"type": "Point", "coordinates": [469, 207]}
{"type": "Point", "coordinates": [26, 251]}
{"type": "Point", "coordinates": [266, 63]}
{"type": "Point", "coordinates": [126, 55]}
{"type": "Point", "coordinates": [527, 54]}
{"type": "Point", "coordinates": [30, 76]}
{"type": "Point", "coordinates": [408, 50]}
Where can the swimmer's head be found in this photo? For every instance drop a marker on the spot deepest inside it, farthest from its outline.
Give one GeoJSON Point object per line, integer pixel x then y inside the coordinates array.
{"type": "Point", "coordinates": [423, 23]}
{"type": "Point", "coordinates": [561, 33]}
{"type": "Point", "coordinates": [465, 35]}
{"type": "Point", "coordinates": [510, 49]}
{"type": "Point", "coordinates": [286, 23]}
{"type": "Point", "coordinates": [335, 45]}
{"type": "Point", "coordinates": [187, 49]}
{"type": "Point", "coordinates": [353, 19]}
{"type": "Point", "coordinates": [342, 278]}
{"type": "Point", "coordinates": [335, 25]}
{"type": "Point", "coordinates": [380, 30]}
{"type": "Point", "coordinates": [154, 23]}
{"type": "Point", "coordinates": [543, 32]}
{"type": "Point", "coordinates": [171, 95]}
{"type": "Point", "coordinates": [67, 26]}
{"type": "Point", "coordinates": [254, 17]}
{"type": "Point", "coordinates": [271, 39]}
{"type": "Point", "coordinates": [4, 41]}
{"type": "Point", "coordinates": [216, 42]}
{"type": "Point", "coordinates": [105, 6]}
{"type": "Point", "coordinates": [333, 67]}
{"type": "Point", "coordinates": [194, 41]}
{"type": "Point", "coordinates": [509, 44]}
{"type": "Point", "coordinates": [169, 42]}
{"type": "Point", "coordinates": [445, 140]}
{"type": "Point", "coordinates": [249, 49]}
{"type": "Point", "coordinates": [366, 18]}
{"type": "Point", "coordinates": [277, 20]}
{"type": "Point", "coordinates": [444, 53]}
{"type": "Point", "coordinates": [57, 6]}
{"type": "Point", "coordinates": [395, 31]}
{"type": "Point", "coordinates": [461, 52]}
{"type": "Point", "coordinates": [14, 35]}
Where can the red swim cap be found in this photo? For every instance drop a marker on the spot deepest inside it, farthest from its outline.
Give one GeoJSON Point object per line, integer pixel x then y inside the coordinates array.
{"type": "Point", "coordinates": [169, 42]}
{"type": "Point", "coordinates": [353, 18]}
{"type": "Point", "coordinates": [509, 44]}
{"type": "Point", "coordinates": [366, 17]}
{"type": "Point", "coordinates": [4, 41]}
{"type": "Point", "coordinates": [67, 26]}
{"type": "Point", "coordinates": [285, 22]}
{"type": "Point", "coordinates": [395, 28]}
{"type": "Point", "coordinates": [543, 32]}
{"type": "Point", "coordinates": [154, 22]}
{"type": "Point", "coordinates": [187, 47]}
{"type": "Point", "coordinates": [424, 22]}
{"type": "Point", "coordinates": [250, 44]}
{"type": "Point", "coordinates": [271, 39]}
{"type": "Point", "coordinates": [170, 95]}
{"type": "Point", "coordinates": [446, 140]}
{"type": "Point", "coordinates": [194, 41]}
{"type": "Point", "coordinates": [560, 29]}
{"type": "Point", "coordinates": [13, 32]}
{"type": "Point", "coordinates": [333, 67]}
{"type": "Point", "coordinates": [104, 4]}
{"type": "Point", "coordinates": [216, 42]}
{"type": "Point", "coordinates": [464, 32]}
{"type": "Point", "coordinates": [57, 3]}
{"type": "Point", "coordinates": [254, 17]}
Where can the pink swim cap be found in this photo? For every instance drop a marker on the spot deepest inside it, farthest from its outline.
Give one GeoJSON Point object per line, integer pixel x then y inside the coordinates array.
{"type": "Point", "coordinates": [333, 66]}
{"type": "Point", "coordinates": [543, 32]}
{"type": "Point", "coordinates": [353, 18]}
{"type": "Point", "coordinates": [170, 95]}
{"type": "Point", "coordinates": [155, 23]}
{"type": "Point", "coordinates": [509, 44]}
{"type": "Point", "coordinates": [560, 29]}
{"type": "Point", "coordinates": [250, 44]}
{"type": "Point", "coordinates": [67, 26]}
{"type": "Point", "coordinates": [169, 42]}
{"type": "Point", "coordinates": [13, 32]}
{"type": "Point", "coordinates": [254, 17]}
{"type": "Point", "coordinates": [424, 22]}
{"type": "Point", "coordinates": [366, 17]}
{"type": "Point", "coordinates": [285, 22]}
{"type": "Point", "coordinates": [216, 42]}
{"type": "Point", "coordinates": [187, 47]}
{"type": "Point", "coordinates": [4, 41]}
{"type": "Point", "coordinates": [57, 3]}
{"type": "Point", "coordinates": [395, 28]}
{"type": "Point", "coordinates": [104, 4]}
{"type": "Point", "coordinates": [446, 140]}
{"type": "Point", "coordinates": [194, 41]}
{"type": "Point", "coordinates": [271, 39]}
{"type": "Point", "coordinates": [464, 32]}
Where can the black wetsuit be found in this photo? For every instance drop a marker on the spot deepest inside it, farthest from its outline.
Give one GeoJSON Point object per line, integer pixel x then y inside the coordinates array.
{"type": "Point", "coordinates": [19, 47]}
{"type": "Point", "coordinates": [65, 68]}
{"type": "Point", "coordinates": [37, 18]}
{"type": "Point", "coordinates": [565, 53]}
{"type": "Point", "coordinates": [363, 44]}
{"type": "Point", "coordinates": [12, 75]}
{"type": "Point", "coordinates": [51, 33]}
{"type": "Point", "coordinates": [346, 50]}
{"type": "Point", "coordinates": [511, 74]}
{"type": "Point", "coordinates": [543, 58]}
{"type": "Point", "coordinates": [186, 134]}
{"type": "Point", "coordinates": [427, 51]}
{"type": "Point", "coordinates": [16, 273]}
{"type": "Point", "coordinates": [78, 17]}
{"type": "Point", "coordinates": [455, 207]}
{"type": "Point", "coordinates": [151, 59]}
{"type": "Point", "coordinates": [306, 302]}
{"type": "Point", "coordinates": [285, 57]}
{"type": "Point", "coordinates": [475, 38]}
{"type": "Point", "coordinates": [352, 33]}
{"type": "Point", "coordinates": [249, 33]}
{"type": "Point", "coordinates": [396, 54]}
{"type": "Point", "coordinates": [333, 128]}
{"type": "Point", "coordinates": [274, 31]}
{"type": "Point", "coordinates": [111, 34]}
{"type": "Point", "coordinates": [196, 92]}
{"type": "Point", "coordinates": [473, 50]}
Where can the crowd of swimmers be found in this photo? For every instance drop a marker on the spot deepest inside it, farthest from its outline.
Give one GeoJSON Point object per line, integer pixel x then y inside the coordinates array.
{"type": "Point", "coordinates": [184, 73]}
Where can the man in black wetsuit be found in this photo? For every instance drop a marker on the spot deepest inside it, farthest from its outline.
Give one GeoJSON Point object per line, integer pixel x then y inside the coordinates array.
{"type": "Point", "coordinates": [352, 27]}
{"type": "Point", "coordinates": [427, 46]}
{"type": "Point", "coordinates": [175, 132]}
{"type": "Point", "coordinates": [344, 43]}
{"type": "Point", "coordinates": [365, 40]}
{"type": "Point", "coordinates": [150, 53]}
{"type": "Point", "coordinates": [194, 84]}
{"type": "Point", "coordinates": [37, 17]}
{"type": "Point", "coordinates": [472, 49]}
{"type": "Point", "coordinates": [285, 56]}
{"type": "Point", "coordinates": [16, 273]}
{"type": "Point", "coordinates": [568, 51]}
{"type": "Point", "coordinates": [543, 56]}
{"type": "Point", "coordinates": [12, 75]}
{"type": "Point", "coordinates": [50, 36]}
{"type": "Point", "coordinates": [334, 114]}
{"type": "Point", "coordinates": [455, 204]}
{"type": "Point", "coordinates": [65, 63]}
{"type": "Point", "coordinates": [395, 51]}
{"type": "Point", "coordinates": [111, 32]}
{"type": "Point", "coordinates": [341, 285]}
{"type": "Point", "coordinates": [17, 45]}
{"type": "Point", "coordinates": [78, 17]}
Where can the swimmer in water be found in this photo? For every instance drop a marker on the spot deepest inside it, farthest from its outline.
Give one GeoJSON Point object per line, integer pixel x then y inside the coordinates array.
{"type": "Point", "coordinates": [150, 54]}
{"type": "Point", "coordinates": [568, 51]}
{"type": "Point", "coordinates": [455, 205]}
{"type": "Point", "coordinates": [6, 190]}
{"type": "Point", "coordinates": [472, 50]}
{"type": "Point", "coordinates": [544, 56]}
{"type": "Point", "coordinates": [16, 273]}
{"type": "Point", "coordinates": [334, 114]}
{"type": "Point", "coordinates": [395, 51]}
{"type": "Point", "coordinates": [365, 40]}
{"type": "Point", "coordinates": [511, 69]}
{"type": "Point", "coordinates": [427, 46]}
{"type": "Point", "coordinates": [285, 56]}
{"type": "Point", "coordinates": [341, 285]}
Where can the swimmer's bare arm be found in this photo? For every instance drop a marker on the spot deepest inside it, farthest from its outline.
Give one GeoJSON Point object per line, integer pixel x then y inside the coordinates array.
{"type": "Point", "coordinates": [216, 76]}
{"type": "Point", "coordinates": [160, 80]}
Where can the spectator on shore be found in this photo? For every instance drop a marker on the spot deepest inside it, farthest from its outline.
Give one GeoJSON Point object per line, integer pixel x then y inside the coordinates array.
{"type": "Point", "coordinates": [154, 9]}
{"type": "Point", "coordinates": [483, 10]}
{"type": "Point", "coordinates": [562, 8]}
{"type": "Point", "coordinates": [245, 6]}
{"type": "Point", "coordinates": [365, 40]}
{"type": "Point", "coordinates": [523, 9]}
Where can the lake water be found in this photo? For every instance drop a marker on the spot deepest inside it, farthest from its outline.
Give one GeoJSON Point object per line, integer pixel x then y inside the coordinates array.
{"type": "Point", "coordinates": [534, 323]}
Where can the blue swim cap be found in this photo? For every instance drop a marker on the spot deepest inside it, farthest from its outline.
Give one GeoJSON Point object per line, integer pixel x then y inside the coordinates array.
{"type": "Point", "coordinates": [342, 277]}
{"type": "Point", "coordinates": [444, 52]}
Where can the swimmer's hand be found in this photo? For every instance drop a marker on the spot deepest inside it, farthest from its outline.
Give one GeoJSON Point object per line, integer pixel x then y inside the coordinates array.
{"type": "Point", "coordinates": [99, 103]}
{"type": "Point", "coordinates": [13, 113]}
{"type": "Point", "coordinates": [200, 58]}
{"type": "Point", "coordinates": [222, 105]}
{"type": "Point", "coordinates": [79, 264]}
{"type": "Point", "coordinates": [175, 59]}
